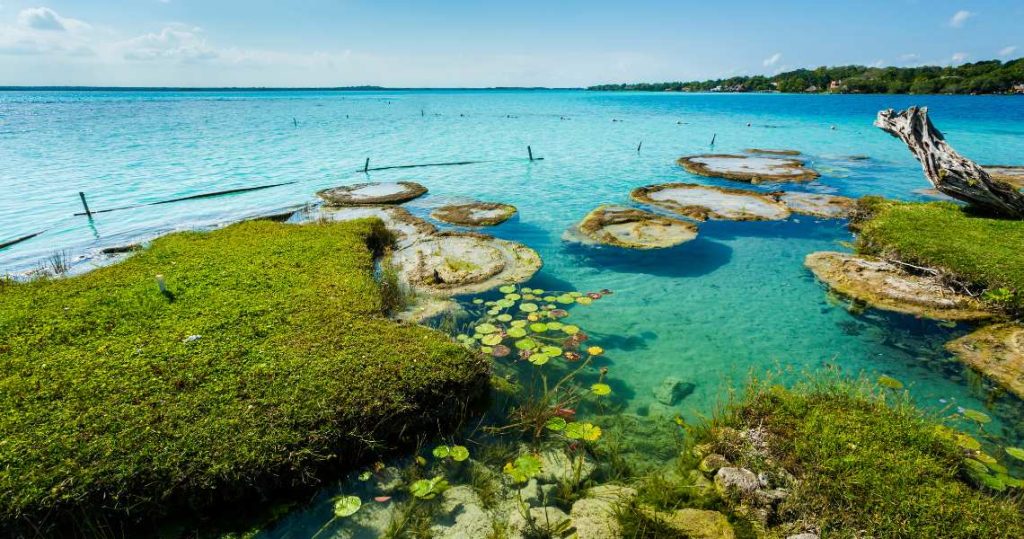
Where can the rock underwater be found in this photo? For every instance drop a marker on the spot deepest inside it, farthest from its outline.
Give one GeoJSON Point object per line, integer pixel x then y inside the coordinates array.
{"type": "Point", "coordinates": [372, 194]}
{"type": "Point", "coordinates": [997, 351]}
{"type": "Point", "coordinates": [474, 213]}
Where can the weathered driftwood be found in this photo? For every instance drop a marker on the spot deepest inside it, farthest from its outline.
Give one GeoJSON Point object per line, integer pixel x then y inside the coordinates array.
{"type": "Point", "coordinates": [947, 170]}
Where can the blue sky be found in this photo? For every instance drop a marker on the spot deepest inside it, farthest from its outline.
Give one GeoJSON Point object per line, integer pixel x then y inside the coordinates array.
{"type": "Point", "coordinates": [462, 43]}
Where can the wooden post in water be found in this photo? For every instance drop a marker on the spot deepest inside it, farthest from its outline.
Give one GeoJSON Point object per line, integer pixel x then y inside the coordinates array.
{"type": "Point", "coordinates": [366, 167]}
{"type": "Point", "coordinates": [641, 145]}
{"type": "Point", "coordinates": [295, 122]}
{"type": "Point", "coordinates": [85, 204]}
{"type": "Point", "coordinates": [713, 137]}
{"type": "Point", "coordinates": [529, 150]}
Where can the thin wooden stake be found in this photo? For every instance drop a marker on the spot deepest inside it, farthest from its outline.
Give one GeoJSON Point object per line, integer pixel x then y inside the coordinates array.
{"type": "Point", "coordinates": [296, 122]}
{"type": "Point", "coordinates": [641, 145]}
{"type": "Point", "coordinates": [85, 204]}
{"type": "Point", "coordinates": [529, 150]}
{"type": "Point", "coordinates": [713, 137]}
{"type": "Point", "coordinates": [366, 167]}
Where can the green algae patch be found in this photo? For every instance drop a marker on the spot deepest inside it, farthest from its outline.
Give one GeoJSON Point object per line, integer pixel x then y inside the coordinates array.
{"type": "Point", "coordinates": [979, 252]}
{"type": "Point", "coordinates": [854, 460]}
{"type": "Point", "coordinates": [267, 359]}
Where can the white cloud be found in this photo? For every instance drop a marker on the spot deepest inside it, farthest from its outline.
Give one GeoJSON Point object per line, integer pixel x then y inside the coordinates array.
{"type": "Point", "coordinates": [960, 57]}
{"type": "Point", "coordinates": [960, 18]}
{"type": "Point", "coordinates": [46, 19]}
{"type": "Point", "coordinates": [1007, 51]}
{"type": "Point", "coordinates": [773, 59]}
{"type": "Point", "coordinates": [175, 42]}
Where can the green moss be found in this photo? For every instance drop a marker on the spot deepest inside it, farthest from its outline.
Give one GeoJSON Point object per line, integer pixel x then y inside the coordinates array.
{"type": "Point", "coordinates": [114, 408]}
{"type": "Point", "coordinates": [866, 466]}
{"type": "Point", "coordinates": [980, 251]}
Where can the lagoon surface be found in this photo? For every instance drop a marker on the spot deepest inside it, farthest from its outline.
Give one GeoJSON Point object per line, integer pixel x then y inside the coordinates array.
{"type": "Point", "coordinates": [733, 302]}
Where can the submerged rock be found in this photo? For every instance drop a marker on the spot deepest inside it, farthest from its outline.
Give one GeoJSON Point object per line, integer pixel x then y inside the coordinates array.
{"type": "Point", "coordinates": [468, 519]}
{"type": "Point", "coordinates": [748, 168]}
{"type": "Point", "coordinates": [450, 263]}
{"type": "Point", "coordinates": [634, 229]}
{"type": "Point", "coordinates": [545, 520]}
{"type": "Point", "coordinates": [558, 467]}
{"type": "Point", "coordinates": [474, 213]}
{"type": "Point", "coordinates": [818, 205]}
{"type": "Point", "coordinates": [885, 286]}
{"type": "Point", "coordinates": [1013, 175]}
{"type": "Point", "coordinates": [997, 351]}
{"type": "Point", "coordinates": [704, 202]}
{"type": "Point", "coordinates": [772, 152]}
{"type": "Point", "coordinates": [694, 523]}
{"type": "Point", "coordinates": [672, 390]}
{"type": "Point", "coordinates": [594, 516]}
{"type": "Point", "coordinates": [372, 194]}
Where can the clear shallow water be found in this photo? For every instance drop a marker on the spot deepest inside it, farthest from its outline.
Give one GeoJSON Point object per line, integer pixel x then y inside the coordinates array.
{"type": "Point", "coordinates": [735, 301]}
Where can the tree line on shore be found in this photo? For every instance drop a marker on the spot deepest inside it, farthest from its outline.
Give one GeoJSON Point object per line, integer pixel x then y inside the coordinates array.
{"type": "Point", "coordinates": [987, 77]}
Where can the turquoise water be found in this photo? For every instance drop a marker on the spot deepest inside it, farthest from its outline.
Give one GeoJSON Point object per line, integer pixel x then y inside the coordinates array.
{"type": "Point", "coordinates": [735, 301]}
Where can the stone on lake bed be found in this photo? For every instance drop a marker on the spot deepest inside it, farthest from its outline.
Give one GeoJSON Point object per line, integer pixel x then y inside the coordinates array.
{"type": "Point", "coordinates": [748, 168]}
{"type": "Point", "coordinates": [818, 205]}
{"type": "Point", "coordinates": [474, 213]}
{"type": "Point", "coordinates": [449, 263]}
{"type": "Point", "coordinates": [704, 202]}
{"type": "Point", "coordinates": [884, 285]}
{"type": "Point", "coordinates": [693, 523]}
{"type": "Point", "coordinates": [634, 229]}
{"type": "Point", "coordinates": [771, 151]}
{"type": "Point", "coordinates": [672, 390]}
{"type": "Point", "coordinates": [996, 351]}
{"type": "Point", "coordinates": [371, 194]}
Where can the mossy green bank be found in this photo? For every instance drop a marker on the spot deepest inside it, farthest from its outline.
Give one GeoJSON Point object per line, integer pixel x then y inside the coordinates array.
{"type": "Point", "coordinates": [268, 359]}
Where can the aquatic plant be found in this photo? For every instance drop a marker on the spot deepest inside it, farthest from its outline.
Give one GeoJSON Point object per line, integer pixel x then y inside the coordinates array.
{"type": "Point", "coordinates": [523, 468]}
{"type": "Point", "coordinates": [428, 489]}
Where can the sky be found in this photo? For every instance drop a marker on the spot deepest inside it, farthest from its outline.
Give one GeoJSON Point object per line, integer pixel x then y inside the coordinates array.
{"type": "Point", "coordinates": [478, 43]}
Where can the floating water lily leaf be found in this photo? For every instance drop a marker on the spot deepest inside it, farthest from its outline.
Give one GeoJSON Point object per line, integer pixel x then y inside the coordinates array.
{"type": "Point", "coordinates": [523, 468]}
{"type": "Point", "coordinates": [554, 326]}
{"type": "Point", "coordinates": [504, 318]}
{"type": "Point", "coordinates": [967, 442]}
{"type": "Point", "coordinates": [556, 424]}
{"type": "Point", "coordinates": [529, 297]}
{"type": "Point", "coordinates": [427, 489]}
{"type": "Point", "coordinates": [507, 289]}
{"type": "Point", "coordinates": [486, 349]}
{"type": "Point", "coordinates": [539, 327]}
{"type": "Point", "coordinates": [582, 431]}
{"type": "Point", "coordinates": [462, 337]}
{"type": "Point", "coordinates": [516, 332]}
{"type": "Point", "coordinates": [575, 294]}
{"type": "Point", "coordinates": [491, 340]}
{"type": "Point", "coordinates": [519, 323]}
{"type": "Point", "coordinates": [500, 351]}
{"type": "Point", "coordinates": [493, 312]}
{"type": "Point", "coordinates": [526, 290]}
{"type": "Point", "coordinates": [584, 300]}
{"type": "Point", "coordinates": [346, 506]}
{"type": "Point", "coordinates": [442, 451]}
{"type": "Point", "coordinates": [565, 299]}
{"type": "Point", "coordinates": [539, 359]}
{"type": "Point", "coordinates": [528, 307]}
{"type": "Point", "coordinates": [552, 351]}
{"type": "Point", "coordinates": [513, 297]}
{"type": "Point", "coordinates": [538, 291]}
{"type": "Point", "coordinates": [889, 382]}
{"type": "Point", "coordinates": [504, 303]}
{"type": "Point", "coordinates": [484, 329]}
{"type": "Point", "coordinates": [459, 453]}
{"type": "Point", "coordinates": [365, 476]}
{"type": "Point", "coordinates": [533, 317]}
{"type": "Point", "coordinates": [526, 344]}
{"type": "Point", "coordinates": [477, 336]}
{"type": "Point", "coordinates": [570, 330]}
{"type": "Point", "coordinates": [1015, 452]}
{"type": "Point", "coordinates": [975, 415]}
{"type": "Point", "coordinates": [478, 301]}
{"type": "Point", "coordinates": [601, 389]}
{"type": "Point", "coordinates": [550, 299]}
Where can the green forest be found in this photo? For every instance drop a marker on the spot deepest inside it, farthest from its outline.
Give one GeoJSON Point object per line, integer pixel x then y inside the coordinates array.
{"type": "Point", "coordinates": [988, 77]}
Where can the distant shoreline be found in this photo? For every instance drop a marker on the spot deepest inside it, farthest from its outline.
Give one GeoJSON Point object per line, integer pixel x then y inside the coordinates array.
{"type": "Point", "coordinates": [259, 89]}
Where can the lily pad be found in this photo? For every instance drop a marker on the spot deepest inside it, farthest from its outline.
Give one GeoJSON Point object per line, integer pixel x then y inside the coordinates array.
{"type": "Point", "coordinates": [552, 351]}
{"type": "Point", "coordinates": [346, 506]}
{"type": "Point", "coordinates": [570, 330]}
{"type": "Point", "coordinates": [1015, 452]}
{"type": "Point", "coordinates": [428, 489]}
{"type": "Point", "coordinates": [485, 329]}
{"type": "Point", "coordinates": [967, 442]}
{"type": "Point", "coordinates": [516, 332]}
{"type": "Point", "coordinates": [538, 327]}
{"type": "Point", "coordinates": [442, 451]}
{"type": "Point", "coordinates": [491, 340]}
{"type": "Point", "coordinates": [556, 424]}
{"type": "Point", "coordinates": [539, 359]}
{"type": "Point", "coordinates": [504, 318]}
{"type": "Point", "coordinates": [601, 389]}
{"type": "Point", "coordinates": [889, 382]}
{"type": "Point", "coordinates": [528, 307]}
{"type": "Point", "coordinates": [507, 289]}
{"type": "Point", "coordinates": [459, 453]}
{"type": "Point", "coordinates": [582, 431]}
{"type": "Point", "coordinates": [975, 415]}
{"type": "Point", "coordinates": [523, 468]}
{"type": "Point", "coordinates": [526, 344]}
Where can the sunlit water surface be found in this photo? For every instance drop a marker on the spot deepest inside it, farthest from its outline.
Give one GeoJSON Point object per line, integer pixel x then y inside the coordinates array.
{"type": "Point", "coordinates": [733, 302]}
